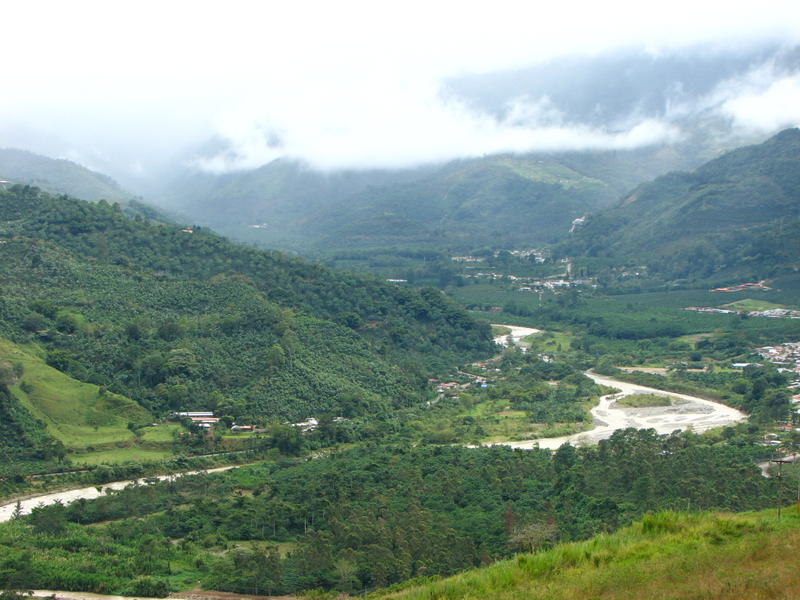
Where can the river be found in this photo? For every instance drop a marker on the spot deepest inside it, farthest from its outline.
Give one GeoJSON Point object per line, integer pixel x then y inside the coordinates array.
{"type": "Point", "coordinates": [516, 336]}
{"type": "Point", "coordinates": [88, 493]}
{"type": "Point", "coordinates": [693, 413]}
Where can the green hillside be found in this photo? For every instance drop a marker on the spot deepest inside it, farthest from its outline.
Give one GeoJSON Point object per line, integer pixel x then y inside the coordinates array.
{"type": "Point", "coordinates": [58, 176]}
{"type": "Point", "coordinates": [667, 555]}
{"type": "Point", "coordinates": [522, 198]}
{"type": "Point", "coordinates": [173, 319]}
{"type": "Point", "coordinates": [736, 216]}
{"type": "Point", "coordinates": [513, 199]}
{"type": "Point", "coordinates": [25, 444]}
{"type": "Point", "coordinates": [361, 519]}
{"type": "Point", "coordinates": [77, 414]}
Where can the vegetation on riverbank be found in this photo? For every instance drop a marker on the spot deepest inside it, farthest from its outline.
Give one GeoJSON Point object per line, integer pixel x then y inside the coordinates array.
{"type": "Point", "coordinates": [371, 516]}
{"type": "Point", "coordinates": [645, 400]}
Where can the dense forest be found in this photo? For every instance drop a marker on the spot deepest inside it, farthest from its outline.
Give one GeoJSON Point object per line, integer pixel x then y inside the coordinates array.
{"type": "Point", "coordinates": [370, 516]}
{"type": "Point", "coordinates": [177, 319]}
{"type": "Point", "coordinates": [736, 216]}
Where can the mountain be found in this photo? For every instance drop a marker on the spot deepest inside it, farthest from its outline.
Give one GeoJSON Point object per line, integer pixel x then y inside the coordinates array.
{"type": "Point", "coordinates": [58, 176]}
{"type": "Point", "coordinates": [496, 200]}
{"type": "Point", "coordinates": [460, 204]}
{"type": "Point", "coordinates": [173, 318]}
{"type": "Point", "coordinates": [735, 216]}
{"type": "Point", "coordinates": [273, 205]}
{"type": "Point", "coordinates": [499, 200]}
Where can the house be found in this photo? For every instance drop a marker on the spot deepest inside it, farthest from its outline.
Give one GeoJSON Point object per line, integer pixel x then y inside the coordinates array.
{"type": "Point", "coordinates": [197, 413]}
{"type": "Point", "coordinates": [242, 428]}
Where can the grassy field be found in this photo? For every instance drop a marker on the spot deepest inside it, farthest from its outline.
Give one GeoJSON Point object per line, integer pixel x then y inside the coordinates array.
{"type": "Point", "coordinates": [644, 400]}
{"type": "Point", "coordinates": [78, 414]}
{"type": "Point", "coordinates": [750, 304]}
{"type": "Point", "coordinates": [489, 421]}
{"type": "Point", "coordinates": [161, 433]}
{"type": "Point", "coordinates": [665, 556]}
{"type": "Point", "coordinates": [498, 330]}
{"type": "Point", "coordinates": [549, 342]}
{"type": "Point", "coordinates": [119, 455]}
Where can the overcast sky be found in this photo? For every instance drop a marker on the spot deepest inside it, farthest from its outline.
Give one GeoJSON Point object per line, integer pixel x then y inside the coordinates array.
{"type": "Point", "coordinates": [344, 84]}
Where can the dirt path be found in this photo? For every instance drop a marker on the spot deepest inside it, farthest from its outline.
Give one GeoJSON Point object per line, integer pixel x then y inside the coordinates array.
{"type": "Point", "coordinates": [767, 464]}
{"type": "Point", "coordinates": [697, 414]}
{"type": "Point", "coordinates": [88, 493]}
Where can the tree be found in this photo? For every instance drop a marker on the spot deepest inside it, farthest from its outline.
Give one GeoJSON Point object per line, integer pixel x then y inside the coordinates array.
{"type": "Point", "coordinates": [286, 438]}
{"type": "Point", "coordinates": [7, 375]}
{"type": "Point", "coordinates": [50, 519]}
{"type": "Point", "coordinates": [276, 358]}
{"type": "Point", "coordinates": [532, 536]}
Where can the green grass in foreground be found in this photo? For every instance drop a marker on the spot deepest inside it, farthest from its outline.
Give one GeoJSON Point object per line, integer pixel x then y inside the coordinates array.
{"type": "Point", "coordinates": [644, 400]}
{"type": "Point", "coordinates": [667, 555]}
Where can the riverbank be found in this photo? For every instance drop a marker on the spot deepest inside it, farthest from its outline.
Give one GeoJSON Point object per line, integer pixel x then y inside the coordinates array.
{"type": "Point", "coordinates": [27, 504]}
{"type": "Point", "coordinates": [694, 413]}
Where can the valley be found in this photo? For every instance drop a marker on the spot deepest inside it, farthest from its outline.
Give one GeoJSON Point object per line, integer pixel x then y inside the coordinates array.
{"type": "Point", "coordinates": [566, 364]}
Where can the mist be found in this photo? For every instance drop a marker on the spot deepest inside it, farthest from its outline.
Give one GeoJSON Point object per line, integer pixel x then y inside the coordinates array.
{"type": "Point", "coordinates": [133, 89]}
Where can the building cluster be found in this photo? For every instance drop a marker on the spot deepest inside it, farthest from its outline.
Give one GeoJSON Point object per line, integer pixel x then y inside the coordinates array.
{"type": "Point", "coordinates": [205, 419]}
{"type": "Point", "coordinates": [540, 285]}
{"type": "Point", "coordinates": [772, 313]}
{"type": "Point", "coordinates": [538, 256]}
{"type": "Point", "coordinates": [526, 284]}
{"type": "Point", "coordinates": [786, 357]}
{"type": "Point", "coordinates": [311, 424]}
{"type": "Point", "coordinates": [758, 285]}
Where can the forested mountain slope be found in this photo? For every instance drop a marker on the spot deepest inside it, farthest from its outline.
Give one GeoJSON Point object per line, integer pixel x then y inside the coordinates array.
{"type": "Point", "coordinates": [511, 199]}
{"type": "Point", "coordinates": [176, 319]}
{"type": "Point", "coordinates": [738, 215]}
{"type": "Point", "coordinates": [58, 176]}
{"type": "Point", "coordinates": [520, 200]}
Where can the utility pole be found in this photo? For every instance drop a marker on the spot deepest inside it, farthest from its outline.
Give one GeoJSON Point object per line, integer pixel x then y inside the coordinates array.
{"type": "Point", "coordinates": [779, 477]}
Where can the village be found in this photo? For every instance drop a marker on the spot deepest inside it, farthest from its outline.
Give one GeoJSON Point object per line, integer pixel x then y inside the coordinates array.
{"type": "Point", "coordinates": [205, 419]}
{"type": "Point", "coordinates": [772, 313]}
{"type": "Point", "coordinates": [786, 357]}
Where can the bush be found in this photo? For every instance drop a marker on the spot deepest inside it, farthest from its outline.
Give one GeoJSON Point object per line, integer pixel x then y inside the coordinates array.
{"type": "Point", "coordinates": [149, 587]}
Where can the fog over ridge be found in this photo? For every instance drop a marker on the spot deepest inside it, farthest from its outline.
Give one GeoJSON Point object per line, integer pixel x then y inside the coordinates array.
{"type": "Point", "coordinates": [131, 89]}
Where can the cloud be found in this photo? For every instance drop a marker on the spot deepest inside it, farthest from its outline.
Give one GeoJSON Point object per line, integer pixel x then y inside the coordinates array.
{"type": "Point", "coordinates": [351, 83]}
{"type": "Point", "coordinates": [768, 108]}
{"type": "Point", "coordinates": [395, 127]}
